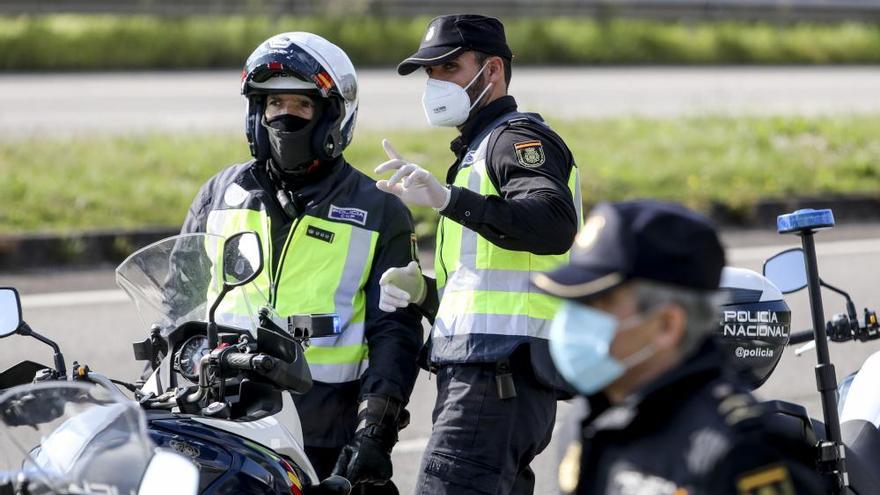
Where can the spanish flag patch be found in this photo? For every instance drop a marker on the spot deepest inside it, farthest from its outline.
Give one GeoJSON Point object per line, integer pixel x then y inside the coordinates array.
{"type": "Point", "coordinates": [324, 80]}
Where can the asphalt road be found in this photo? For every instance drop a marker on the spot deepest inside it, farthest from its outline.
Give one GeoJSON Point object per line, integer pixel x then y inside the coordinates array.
{"type": "Point", "coordinates": [63, 104]}
{"type": "Point", "coordinates": [95, 324]}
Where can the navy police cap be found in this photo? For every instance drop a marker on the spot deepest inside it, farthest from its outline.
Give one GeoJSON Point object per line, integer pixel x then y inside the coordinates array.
{"type": "Point", "coordinates": [448, 36]}
{"type": "Point", "coordinates": [643, 239]}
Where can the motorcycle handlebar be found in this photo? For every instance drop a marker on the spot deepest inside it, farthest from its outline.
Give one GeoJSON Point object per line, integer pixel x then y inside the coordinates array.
{"type": "Point", "coordinates": [282, 374]}
{"type": "Point", "coordinates": [237, 360]}
{"type": "Point", "coordinates": [247, 362]}
{"type": "Point", "coordinates": [801, 337]}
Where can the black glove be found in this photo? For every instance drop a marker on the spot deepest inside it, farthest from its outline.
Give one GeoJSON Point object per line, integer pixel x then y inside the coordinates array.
{"type": "Point", "coordinates": [367, 459]}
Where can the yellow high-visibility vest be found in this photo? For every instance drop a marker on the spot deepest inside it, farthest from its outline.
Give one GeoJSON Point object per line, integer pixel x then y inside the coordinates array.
{"type": "Point", "coordinates": [313, 276]}
{"type": "Point", "coordinates": [487, 304]}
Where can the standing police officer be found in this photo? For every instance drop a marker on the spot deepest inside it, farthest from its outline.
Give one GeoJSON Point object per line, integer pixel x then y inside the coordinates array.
{"type": "Point", "coordinates": [634, 336]}
{"type": "Point", "coordinates": [511, 208]}
{"type": "Point", "coordinates": [328, 235]}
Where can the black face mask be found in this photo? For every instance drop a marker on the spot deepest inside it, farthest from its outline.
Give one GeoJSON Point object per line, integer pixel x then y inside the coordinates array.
{"type": "Point", "coordinates": [290, 140]}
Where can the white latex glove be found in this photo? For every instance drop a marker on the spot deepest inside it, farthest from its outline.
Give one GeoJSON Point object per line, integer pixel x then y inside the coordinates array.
{"type": "Point", "coordinates": [410, 182]}
{"type": "Point", "coordinates": [401, 286]}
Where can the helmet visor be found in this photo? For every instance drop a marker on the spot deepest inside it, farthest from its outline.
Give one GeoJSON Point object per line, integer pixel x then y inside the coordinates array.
{"type": "Point", "coordinates": [282, 82]}
{"type": "Point", "coordinates": [289, 69]}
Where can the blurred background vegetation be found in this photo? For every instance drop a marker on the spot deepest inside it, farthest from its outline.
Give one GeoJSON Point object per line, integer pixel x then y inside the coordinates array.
{"type": "Point", "coordinates": [118, 42]}
{"type": "Point", "coordinates": [702, 161]}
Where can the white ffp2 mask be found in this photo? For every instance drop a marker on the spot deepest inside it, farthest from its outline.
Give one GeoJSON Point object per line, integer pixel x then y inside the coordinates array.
{"type": "Point", "coordinates": [447, 104]}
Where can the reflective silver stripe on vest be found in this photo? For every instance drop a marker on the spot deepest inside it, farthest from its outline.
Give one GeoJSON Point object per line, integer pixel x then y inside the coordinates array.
{"type": "Point", "coordinates": [352, 333]}
{"type": "Point", "coordinates": [355, 263]}
{"type": "Point", "coordinates": [334, 373]}
{"type": "Point", "coordinates": [469, 324]}
{"type": "Point", "coordinates": [467, 278]}
{"type": "Point", "coordinates": [578, 202]}
{"type": "Point", "coordinates": [468, 250]}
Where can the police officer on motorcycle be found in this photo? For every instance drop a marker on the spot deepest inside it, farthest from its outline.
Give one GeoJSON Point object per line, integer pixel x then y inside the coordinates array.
{"type": "Point", "coordinates": [329, 235]}
{"type": "Point", "coordinates": [509, 205]}
{"type": "Point", "coordinates": [634, 335]}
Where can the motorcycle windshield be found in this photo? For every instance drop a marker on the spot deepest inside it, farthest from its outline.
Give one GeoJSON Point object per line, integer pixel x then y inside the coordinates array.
{"type": "Point", "coordinates": [66, 437]}
{"type": "Point", "coordinates": [177, 279]}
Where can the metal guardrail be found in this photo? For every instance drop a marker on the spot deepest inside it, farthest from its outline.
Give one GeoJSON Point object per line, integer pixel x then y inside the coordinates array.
{"type": "Point", "coordinates": [771, 10]}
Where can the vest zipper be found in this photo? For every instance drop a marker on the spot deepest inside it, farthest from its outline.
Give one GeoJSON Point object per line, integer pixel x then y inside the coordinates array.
{"type": "Point", "coordinates": [440, 251]}
{"type": "Point", "coordinates": [271, 258]}
{"type": "Point", "coordinates": [287, 242]}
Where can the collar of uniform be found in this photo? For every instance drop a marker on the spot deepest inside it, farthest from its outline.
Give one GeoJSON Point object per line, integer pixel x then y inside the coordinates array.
{"type": "Point", "coordinates": [294, 183]}
{"type": "Point", "coordinates": [484, 116]}
{"type": "Point", "coordinates": [314, 191]}
{"type": "Point", "coordinates": [664, 395]}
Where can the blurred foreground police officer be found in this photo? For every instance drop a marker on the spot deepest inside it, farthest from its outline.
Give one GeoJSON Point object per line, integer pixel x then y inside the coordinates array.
{"type": "Point", "coordinates": [328, 235]}
{"type": "Point", "coordinates": [511, 208]}
{"type": "Point", "coordinates": [634, 335]}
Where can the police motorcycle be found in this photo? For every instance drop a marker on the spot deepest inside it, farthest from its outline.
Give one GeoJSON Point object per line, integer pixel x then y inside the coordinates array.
{"type": "Point", "coordinates": [70, 438]}
{"type": "Point", "coordinates": [64, 437]}
{"type": "Point", "coordinates": [220, 370]}
{"type": "Point", "coordinates": [847, 441]}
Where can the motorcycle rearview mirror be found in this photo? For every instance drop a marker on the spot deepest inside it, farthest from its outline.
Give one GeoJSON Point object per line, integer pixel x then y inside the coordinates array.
{"type": "Point", "coordinates": [787, 270]}
{"type": "Point", "coordinates": [10, 311]}
{"type": "Point", "coordinates": [240, 263]}
{"type": "Point", "coordinates": [242, 259]}
{"type": "Point", "coordinates": [11, 322]}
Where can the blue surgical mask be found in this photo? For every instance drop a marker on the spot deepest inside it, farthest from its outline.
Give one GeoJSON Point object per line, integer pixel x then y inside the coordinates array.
{"type": "Point", "coordinates": [580, 344]}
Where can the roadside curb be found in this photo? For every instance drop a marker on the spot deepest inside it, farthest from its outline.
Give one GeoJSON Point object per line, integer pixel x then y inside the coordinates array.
{"type": "Point", "coordinates": [109, 247]}
{"type": "Point", "coordinates": [762, 215]}
{"type": "Point", "coordinates": [74, 249]}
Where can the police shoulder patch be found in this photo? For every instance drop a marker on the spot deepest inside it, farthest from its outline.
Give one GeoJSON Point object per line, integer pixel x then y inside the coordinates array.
{"type": "Point", "coordinates": [529, 154]}
{"type": "Point", "coordinates": [768, 480]}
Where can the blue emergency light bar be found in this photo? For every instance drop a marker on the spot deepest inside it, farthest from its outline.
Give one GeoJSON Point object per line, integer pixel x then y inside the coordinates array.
{"type": "Point", "coordinates": [807, 219]}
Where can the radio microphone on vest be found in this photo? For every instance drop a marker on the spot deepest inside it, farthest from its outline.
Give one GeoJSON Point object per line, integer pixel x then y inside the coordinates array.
{"type": "Point", "coordinates": [289, 205]}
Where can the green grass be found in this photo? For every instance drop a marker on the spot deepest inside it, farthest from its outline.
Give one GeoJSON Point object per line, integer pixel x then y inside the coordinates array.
{"type": "Point", "coordinates": [149, 180]}
{"type": "Point", "coordinates": [100, 42]}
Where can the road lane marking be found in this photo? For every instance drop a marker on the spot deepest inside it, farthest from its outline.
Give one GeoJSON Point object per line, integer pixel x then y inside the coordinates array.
{"type": "Point", "coordinates": [79, 298]}
{"type": "Point", "coordinates": [419, 444]}
{"type": "Point", "coordinates": [411, 446]}
{"type": "Point", "coordinates": [834, 248]}
{"type": "Point", "coordinates": [736, 256]}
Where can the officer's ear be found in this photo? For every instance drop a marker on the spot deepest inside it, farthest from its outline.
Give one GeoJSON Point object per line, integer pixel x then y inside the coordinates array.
{"type": "Point", "coordinates": [672, 325]}
{"type": "Point", "coordinates": [495, 70]}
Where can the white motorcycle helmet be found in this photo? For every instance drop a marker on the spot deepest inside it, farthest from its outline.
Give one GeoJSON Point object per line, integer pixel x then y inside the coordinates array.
{"type": "Point", "coordinates": [754, 326]}
{"type": "Point", "coordinates": [308, 63]}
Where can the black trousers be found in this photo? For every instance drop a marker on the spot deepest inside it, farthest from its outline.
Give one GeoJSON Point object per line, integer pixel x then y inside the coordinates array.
{"type": "Point", "coordinates": [481, 444]}
{"type": "Point", "coordinates": [324, 460]}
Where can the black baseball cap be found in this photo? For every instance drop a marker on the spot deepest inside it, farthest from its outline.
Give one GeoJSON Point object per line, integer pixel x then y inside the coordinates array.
{"type": "Point", "coordinates": [643, 239]}
{"type": "Point", "coordinates": [448, 36]}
